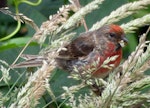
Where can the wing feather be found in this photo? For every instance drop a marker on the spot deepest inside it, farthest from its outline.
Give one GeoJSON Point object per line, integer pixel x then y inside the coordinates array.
{"type": "Point", "coordinates": [81, 46]}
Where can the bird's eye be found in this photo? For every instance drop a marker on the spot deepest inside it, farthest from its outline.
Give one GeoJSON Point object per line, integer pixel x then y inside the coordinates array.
{"type": "Point", "coordinates": [112, 35]}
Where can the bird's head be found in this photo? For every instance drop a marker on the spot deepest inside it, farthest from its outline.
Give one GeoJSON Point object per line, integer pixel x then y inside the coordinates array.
{"type": "Point", "coordinates": [114, 34]}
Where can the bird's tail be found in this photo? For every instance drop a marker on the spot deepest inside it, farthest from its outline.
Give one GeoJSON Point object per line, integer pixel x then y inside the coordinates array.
{"type": "Point", "coordinates": [30, 61]}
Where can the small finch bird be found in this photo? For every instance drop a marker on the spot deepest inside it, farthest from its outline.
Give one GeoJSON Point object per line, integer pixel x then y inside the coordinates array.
{"type": "Point", "coordinates": [88, 48]}
{"type": "Point", "coordinates": [94, 46]}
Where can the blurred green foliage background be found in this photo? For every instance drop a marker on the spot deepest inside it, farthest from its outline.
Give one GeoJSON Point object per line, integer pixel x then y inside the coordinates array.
{"type": "Point", "coordinates": [10, 48]}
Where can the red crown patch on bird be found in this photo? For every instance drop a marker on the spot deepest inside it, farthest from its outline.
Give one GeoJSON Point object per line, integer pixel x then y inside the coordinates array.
{"type": "Point", "coordinates": [116, 28]}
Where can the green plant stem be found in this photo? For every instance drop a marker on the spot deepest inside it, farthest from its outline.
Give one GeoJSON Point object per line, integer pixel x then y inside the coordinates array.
{"type": "Point", "coordinates": [13, 33]}
{"type": "Point", "coordinates": [31, 3]}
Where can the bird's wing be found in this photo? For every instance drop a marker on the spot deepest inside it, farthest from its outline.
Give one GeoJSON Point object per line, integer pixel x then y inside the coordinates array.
{"type": "Point", "coordinates": [81, 46]}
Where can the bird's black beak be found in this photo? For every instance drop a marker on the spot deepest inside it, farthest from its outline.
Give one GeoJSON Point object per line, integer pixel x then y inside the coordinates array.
{"type": "Point", "coordinates": [123, 41]}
